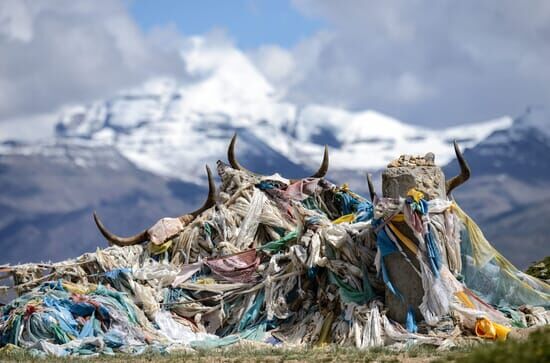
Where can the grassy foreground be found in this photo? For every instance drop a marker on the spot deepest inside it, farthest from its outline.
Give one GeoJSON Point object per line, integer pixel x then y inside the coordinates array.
{"type": "Point", "coordinates": [534, 349]}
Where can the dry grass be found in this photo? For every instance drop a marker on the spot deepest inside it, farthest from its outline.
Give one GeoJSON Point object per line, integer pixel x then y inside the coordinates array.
{"type": "Point", "coordinates": [534, 349]}
{"type": "Point", "coordinates": [250, 354]}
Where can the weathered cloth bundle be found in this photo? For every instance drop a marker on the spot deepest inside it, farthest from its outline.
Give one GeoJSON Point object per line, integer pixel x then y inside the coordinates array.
{"type": "Point", "coordinates": [276, 264]}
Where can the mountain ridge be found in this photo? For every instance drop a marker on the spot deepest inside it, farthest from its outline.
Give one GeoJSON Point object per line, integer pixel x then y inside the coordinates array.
{"type": "Point", "coordinates": [140, 156]}
{"type": "Point", "coordinates": [161, 125]}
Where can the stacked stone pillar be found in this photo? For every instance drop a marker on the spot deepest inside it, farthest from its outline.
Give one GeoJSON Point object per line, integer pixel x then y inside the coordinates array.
{"type": "Point", "coordinates": [400, 176]}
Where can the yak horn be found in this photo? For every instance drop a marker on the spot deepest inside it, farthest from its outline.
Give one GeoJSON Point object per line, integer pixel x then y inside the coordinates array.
{"type": "Point", "coordinates": [321, 172]}
{"type": "Point", "coordinates": [464, 171]}
{"type": "Point", "coordinates": [211, 200]}
{"type": "Point", "coordinates": [120, 241]}
{"type": "Point", "coordinates": [231, 156]}
{"type": "Point", "coordinates": [144, 236]}
{"type": "Point", "coordinates": [372, 192]}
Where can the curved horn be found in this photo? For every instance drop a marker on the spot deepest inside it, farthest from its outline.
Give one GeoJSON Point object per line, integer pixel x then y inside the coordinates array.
{"type": "Point", "coordinates": [144, 236]}
{"type": "Point", "coordinates": [322, 171]}
{"type": "Point", "coordinates": [464, 171]}
{"type": "Point", "coordinates": [120, 241]}
{"type": "Point", "coordinates": [372, 192]}
{"type": "Point", "coordinates": [231, 156]}
{"type": "Point", "coordinates": [211, 200]}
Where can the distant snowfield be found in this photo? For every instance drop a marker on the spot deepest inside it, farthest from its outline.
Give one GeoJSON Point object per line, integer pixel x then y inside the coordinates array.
{"type": "Point", "coordinates": [173, 129]}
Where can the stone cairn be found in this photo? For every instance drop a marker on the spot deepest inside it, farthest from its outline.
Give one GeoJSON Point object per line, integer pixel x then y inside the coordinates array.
{"type": "Point", "coordinates": [402, 174]}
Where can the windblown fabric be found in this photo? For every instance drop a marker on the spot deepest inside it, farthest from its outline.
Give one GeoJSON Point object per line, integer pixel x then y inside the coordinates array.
{"type": "Point", "coordinates": [240, 267]}
{"type": "Point", "coordinates": [280, 264]}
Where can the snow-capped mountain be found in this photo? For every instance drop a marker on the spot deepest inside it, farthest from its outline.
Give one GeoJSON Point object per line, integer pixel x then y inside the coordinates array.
{"type": "Point", "coordinates": [173, 129]}
{"type": "Point", "coordinates": [512, 165]}
{"type": "Point", "coordinates": [521, 150]}
{"type": "Point", "coordinates": [140, 155]}
{"type": "Point", "coordinates": [509, 192]}
{"type": "Point", "coordinates": [369, 140]}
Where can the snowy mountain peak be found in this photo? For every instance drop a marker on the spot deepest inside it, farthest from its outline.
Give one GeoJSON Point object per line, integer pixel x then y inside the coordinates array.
{"type": "Point", "coordinates": [370, 140]}
{"type": "Point", "coordinates": [348, 127]}
{"type": "Point", "coordinates": [225, 79]}
{"type": "Point", "coordinates": [519, 151]}
{"type": "Point", "coordinates": [533, 123]}
{"type": "Point", "coordinates": [174, 127]}
{"type": "Point", "coordinates": [536, 117]}
{"type": "Point", "coordinates": [221, 80]}
{"type": "Point", "coordinates": [220, 63]}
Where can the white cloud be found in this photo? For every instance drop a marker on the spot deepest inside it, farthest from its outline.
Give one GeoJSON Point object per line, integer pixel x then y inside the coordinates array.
{"type": "Point", "coordinates": [410, 89]}
{"type": "Point", "coordinates": [59, 52]}
{"type": "Point", "coordinates": [276, 63]}
{"type": "Point", "coordinates": [425, 62]}
{"type": "Point", "coordinates": [15, 20]}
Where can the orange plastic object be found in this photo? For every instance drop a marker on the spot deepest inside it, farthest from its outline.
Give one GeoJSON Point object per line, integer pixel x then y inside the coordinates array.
{"type": "Point", "coordinates": [485, 328]}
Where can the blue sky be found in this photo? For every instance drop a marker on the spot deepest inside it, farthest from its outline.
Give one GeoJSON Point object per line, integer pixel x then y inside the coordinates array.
{"type": "Point", "coordinates": [250, 23]}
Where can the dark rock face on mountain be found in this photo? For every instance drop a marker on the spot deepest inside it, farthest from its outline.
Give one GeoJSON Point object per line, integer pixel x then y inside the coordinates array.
{"type": "Point", "coordinates": [49, 192]}
{"type": "Point", "coordinates": [509, 193]}
{"type": "Point", "coordinates": [257, 156]}
{"type": "Point", "coordinates": [48, 196]}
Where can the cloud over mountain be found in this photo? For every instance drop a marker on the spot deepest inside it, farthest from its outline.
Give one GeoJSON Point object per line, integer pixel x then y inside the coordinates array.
{"type": "Point", "coordinates": [60, 52]}
{"type": "Point", "coordinates": [428, 63]}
